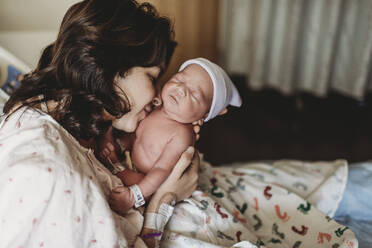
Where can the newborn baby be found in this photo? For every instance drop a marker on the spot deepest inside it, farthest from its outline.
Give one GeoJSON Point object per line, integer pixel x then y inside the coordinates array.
{"type": "Point", "coordinates": [200, 90]}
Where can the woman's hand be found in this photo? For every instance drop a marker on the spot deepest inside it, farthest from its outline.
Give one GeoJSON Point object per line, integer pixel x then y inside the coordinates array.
{"type": "Point", "coordinates": [179, 185]}
{"type": "Point", "coordinates": [181, 182]}
{"type": "Point", "coordinates": [183, 179]}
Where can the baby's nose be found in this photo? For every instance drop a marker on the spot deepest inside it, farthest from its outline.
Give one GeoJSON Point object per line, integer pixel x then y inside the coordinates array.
{"type": "Point", "coordinates": [181, 91]}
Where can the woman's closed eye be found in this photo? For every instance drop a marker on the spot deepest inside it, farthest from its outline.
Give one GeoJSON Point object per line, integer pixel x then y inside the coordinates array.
{"type": "Point", "coordinates": [152, 78]}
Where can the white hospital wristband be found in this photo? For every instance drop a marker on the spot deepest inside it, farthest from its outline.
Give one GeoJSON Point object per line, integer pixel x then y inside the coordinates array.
{"type": "Point", "coordinates": [157, 221]}
{"type": "Point", "coordinates": [136, 191]}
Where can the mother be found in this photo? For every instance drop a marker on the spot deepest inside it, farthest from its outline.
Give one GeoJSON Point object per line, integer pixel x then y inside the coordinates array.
{"type": "Point", "coordinates": [99, 72]}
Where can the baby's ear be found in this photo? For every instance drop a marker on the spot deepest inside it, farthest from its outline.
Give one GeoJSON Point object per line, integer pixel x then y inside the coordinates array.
{"type": "Point", "coordinates": [224, 111]}
{"type": "Point", "coordinates": [156, 102]}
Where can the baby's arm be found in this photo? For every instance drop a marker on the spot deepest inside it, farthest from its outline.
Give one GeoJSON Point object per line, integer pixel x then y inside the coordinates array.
{"type": "Point", "coordinates": [129, 177]}
{"type": "Point", "coordinates": [160, 171]}
{"type": "Point", "coordinates": [179, 142]}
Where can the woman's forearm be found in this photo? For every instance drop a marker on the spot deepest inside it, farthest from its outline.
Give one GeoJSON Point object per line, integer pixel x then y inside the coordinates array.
{"type": "Point", "coordinates": [178, 186]}
{"type": "Point", "coordinates": [157, 200]}
{"type": "Point", "coordinates": [161, 206]}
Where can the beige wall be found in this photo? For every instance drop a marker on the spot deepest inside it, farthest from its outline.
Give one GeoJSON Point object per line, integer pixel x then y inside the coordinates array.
{"type": "Point", "coordinates": [22, 15]}
{"type": "Point", "coordinates": [195, 26]}
{"type": "Point", "coordinates": [27, 26]}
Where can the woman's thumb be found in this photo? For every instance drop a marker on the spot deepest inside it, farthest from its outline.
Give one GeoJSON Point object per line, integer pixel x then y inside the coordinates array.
{"type": "Point", "coordinates": [184, 161]}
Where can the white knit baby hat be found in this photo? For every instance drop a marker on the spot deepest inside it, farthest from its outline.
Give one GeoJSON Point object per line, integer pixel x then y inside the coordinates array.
{"type": "Point", "coordinates": [224, 91]}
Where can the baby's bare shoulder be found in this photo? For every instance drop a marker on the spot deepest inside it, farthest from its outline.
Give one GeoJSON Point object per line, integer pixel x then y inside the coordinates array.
{"type": "Point", "coordinates": [183, 134]}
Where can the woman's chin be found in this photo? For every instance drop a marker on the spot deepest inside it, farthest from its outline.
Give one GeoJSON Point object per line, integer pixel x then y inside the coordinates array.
{"type": "Point", "coordinates": [126, 128]}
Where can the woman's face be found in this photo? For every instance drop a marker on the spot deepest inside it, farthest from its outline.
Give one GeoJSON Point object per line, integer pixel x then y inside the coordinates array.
{"type": "Point", "coordinates": [138, 86]}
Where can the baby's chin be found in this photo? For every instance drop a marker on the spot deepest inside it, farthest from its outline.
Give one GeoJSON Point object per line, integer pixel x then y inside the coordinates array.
{"type": "Point", "coordinates": [174, 115]}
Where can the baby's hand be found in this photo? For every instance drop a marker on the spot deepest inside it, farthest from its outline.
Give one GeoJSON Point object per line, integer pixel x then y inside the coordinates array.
{"type": "Point", "coordinates": [121, 200]}
{"type": "Point", "coordinates": [108, 154]}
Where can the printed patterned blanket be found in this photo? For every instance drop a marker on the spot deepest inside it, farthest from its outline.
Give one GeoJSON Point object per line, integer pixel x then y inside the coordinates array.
{"type": "Point", "coordinates": [281, 204]}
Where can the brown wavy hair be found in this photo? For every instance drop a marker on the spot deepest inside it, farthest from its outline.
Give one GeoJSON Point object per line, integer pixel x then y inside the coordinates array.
{"type": "Point", "coordinates": [97, 41]}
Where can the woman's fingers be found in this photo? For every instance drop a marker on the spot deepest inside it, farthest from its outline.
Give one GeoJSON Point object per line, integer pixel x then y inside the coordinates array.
{"type": "Point", "coordinates": [192, 171]}
{"type": "Point", "coordinates": [195, 162]}
{"type": "Point", "coordinates": [196, 129]}
{"type": "Point", "coordinates": [198, 122]}
{"type": "Point", "coordinates": [197, 126]}
{"type": "Point", "coordinates": [184, 177]}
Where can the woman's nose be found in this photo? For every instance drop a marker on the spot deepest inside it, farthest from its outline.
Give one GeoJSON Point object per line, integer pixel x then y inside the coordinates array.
{"type": "Point", "coordinates": [148, 108]}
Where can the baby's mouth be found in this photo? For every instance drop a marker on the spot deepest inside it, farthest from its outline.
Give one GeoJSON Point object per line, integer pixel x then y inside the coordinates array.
{"type": "Point", "coordinates": [174, 99]}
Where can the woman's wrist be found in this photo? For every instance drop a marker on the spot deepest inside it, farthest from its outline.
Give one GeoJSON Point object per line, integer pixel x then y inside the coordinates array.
{"type": "Point", "coordinates": [159, 198]}
{"type": "Point", "coordinates": [158, 212]}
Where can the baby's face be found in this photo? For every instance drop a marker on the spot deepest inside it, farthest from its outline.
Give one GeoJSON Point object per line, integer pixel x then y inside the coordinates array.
{"type": "Point", "coordinates": [187, 96]}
